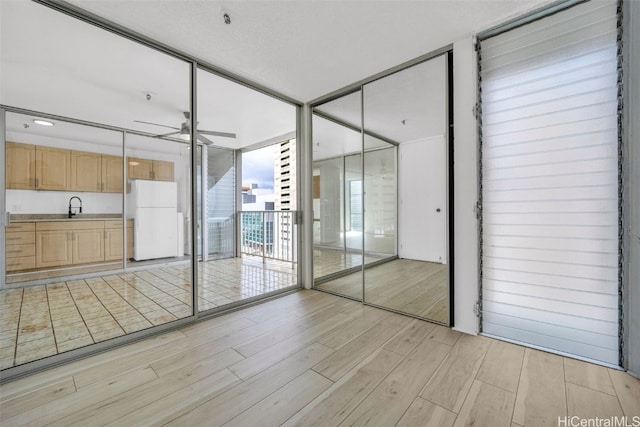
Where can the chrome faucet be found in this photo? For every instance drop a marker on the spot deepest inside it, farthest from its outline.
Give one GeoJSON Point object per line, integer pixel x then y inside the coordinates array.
{"type": "Point", "coordinates": [71, 213]}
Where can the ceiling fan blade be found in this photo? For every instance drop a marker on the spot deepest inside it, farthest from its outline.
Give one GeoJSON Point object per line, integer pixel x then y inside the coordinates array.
{"type": "Point", "coordinates": [167, 134]}
{"type": "Point", "coordinates": [214, 133]}
{"type": "Point", "coordinates": [156, 124]}
{"type": "Point", "coordinates": [204, 140]}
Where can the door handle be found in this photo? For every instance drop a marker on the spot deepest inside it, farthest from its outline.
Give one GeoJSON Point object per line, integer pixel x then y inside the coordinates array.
{"type": "Point", "coordinates": [438, 210]}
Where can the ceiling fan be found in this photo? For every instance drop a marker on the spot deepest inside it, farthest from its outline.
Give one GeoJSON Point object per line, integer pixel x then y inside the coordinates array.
{"type": "Point", "coordinates": [184, 131]}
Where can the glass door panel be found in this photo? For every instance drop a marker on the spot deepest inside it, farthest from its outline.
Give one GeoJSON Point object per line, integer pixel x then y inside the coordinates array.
{"type": "Point", "coordinates": [248, 205]}
{"type": "Point", "coordinates": [338, 214]}
{"type": "Point", "coordinates": [406, 191]}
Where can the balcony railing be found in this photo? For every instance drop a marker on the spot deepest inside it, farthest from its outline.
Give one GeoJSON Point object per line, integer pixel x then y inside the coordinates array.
{"type": "Point", "coordinates": [269, 234]}
{"type": "Point", "coordinates": [220, 236]}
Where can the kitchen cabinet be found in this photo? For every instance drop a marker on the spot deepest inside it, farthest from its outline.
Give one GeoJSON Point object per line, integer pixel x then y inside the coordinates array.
{"type": "Point", "coordinates": [60, 243]}
{"type": "Point", "coordinates": [53, 167]}
{"type": "Point", "coordinates": [86, 171]}
{"type": "Point", "coordinates": [162, 171]}
{"type": "Point", "coordinates": [111, 171]}
{"type": "Point", "coordinates": [20, 166]}
{"type": "Point", "coordinates": [156, 170]}
{"type": "Point", "coordinates": [53, 244]}
{"type": "Point", "coordinates": [88, 242]}
{"type": "Point", "coordinates": [139, 168]}
{"type": "Point", "coordinates": [20, 247]}
{"type": "Point", "coordinates": [113, 240]}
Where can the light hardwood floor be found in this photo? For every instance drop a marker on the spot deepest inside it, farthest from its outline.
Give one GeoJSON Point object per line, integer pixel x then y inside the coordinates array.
{"type": "Point", "coordinates": [314, 359]}
{"type": "Point", "coordinates": [329, 261]}
{"type": "Point", "coordinates": [418, 288]}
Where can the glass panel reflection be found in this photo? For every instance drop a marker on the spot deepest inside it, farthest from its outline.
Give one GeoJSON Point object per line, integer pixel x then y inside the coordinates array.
{"type": "Point", "coordinates": [406, 184]}
{"type": "Point", "coordinates": [338, 208]}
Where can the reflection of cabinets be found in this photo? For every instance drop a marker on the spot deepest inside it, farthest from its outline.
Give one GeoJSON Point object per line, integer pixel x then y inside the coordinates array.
{"type": "Point", "coordinates": [20, 172]}
{"type": "Point", "coordinates": [21, 246]}
{"type": "Point", "coordinates": [35, 167]}
{"type": "Point", "coordinates": [52, 168]}
{"type": "Point", "coordinates": [113, 240]}
{"type": "Point", "coordinates": [156, 170]}
{"type": "Point", "coordinates": [111, 174]}
{"type": "Point", "coordinates": [86, 172]}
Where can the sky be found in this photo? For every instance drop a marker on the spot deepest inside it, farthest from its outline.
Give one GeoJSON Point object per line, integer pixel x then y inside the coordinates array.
{"type": "Point", "coordinates": [257, 167]}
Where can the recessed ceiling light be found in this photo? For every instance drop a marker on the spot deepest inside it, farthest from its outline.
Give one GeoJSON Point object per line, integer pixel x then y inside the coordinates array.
{"type": "Point", "coordinates": [42, 122]}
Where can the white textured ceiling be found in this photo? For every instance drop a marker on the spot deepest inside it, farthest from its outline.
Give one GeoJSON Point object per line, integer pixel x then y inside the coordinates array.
{"type": "Point", "coordinates": [305, 49]}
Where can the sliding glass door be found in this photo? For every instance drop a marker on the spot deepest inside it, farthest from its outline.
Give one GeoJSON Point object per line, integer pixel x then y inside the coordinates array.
{"type": "Point", "coordinates": [381, 180]}
{"type": "Point", "coordinates": [99, 216]}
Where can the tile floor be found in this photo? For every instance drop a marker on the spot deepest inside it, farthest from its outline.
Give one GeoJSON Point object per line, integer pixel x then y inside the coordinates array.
{"type": "Point", "coordinates": [43, 320]}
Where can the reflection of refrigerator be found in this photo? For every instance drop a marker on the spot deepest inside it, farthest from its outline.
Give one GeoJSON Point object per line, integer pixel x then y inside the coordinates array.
{"type": "Point", "coordinates": [153, 207]}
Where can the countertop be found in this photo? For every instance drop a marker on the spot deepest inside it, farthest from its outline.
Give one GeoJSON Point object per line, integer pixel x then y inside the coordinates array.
{"type": "Point", "coordinates": [64, 217]}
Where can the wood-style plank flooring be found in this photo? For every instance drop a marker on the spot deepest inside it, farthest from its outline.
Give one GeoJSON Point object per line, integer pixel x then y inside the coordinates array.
{"type": "Point", "coordinates": [419, 288]}
{"type": "Point", "coordinates": [314, 359]}
{"type": "Point", "coordinates": [330, 261]}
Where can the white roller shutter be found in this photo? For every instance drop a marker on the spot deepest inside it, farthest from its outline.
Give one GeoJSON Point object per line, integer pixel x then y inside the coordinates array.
{"type": "Point", "coordinates": [550, 182]}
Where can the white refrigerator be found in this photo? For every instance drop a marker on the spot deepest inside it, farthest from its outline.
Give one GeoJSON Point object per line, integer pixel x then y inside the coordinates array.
{"type": "Point", "coordinates": [153, 205]}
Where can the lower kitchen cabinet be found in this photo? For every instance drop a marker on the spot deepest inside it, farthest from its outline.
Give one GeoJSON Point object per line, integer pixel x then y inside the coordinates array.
{"type": "Point", "coordinates": [51, 244]}
{"type": "Point", "coordinates": [88, 242]}
{"type": "Point", "coordinates": [20, 247]}
{"type": "Point", "coordinates": [54, 246]}
{"type": "Point", "coordinates": [113, 240]}
{"type": "Point", "coordinates": [67, 242]}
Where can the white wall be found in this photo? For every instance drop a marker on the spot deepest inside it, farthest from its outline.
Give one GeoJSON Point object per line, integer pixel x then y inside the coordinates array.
{"type": "Point", "coordinates": [465, 186]}
{"type": "Point", "coordinates": [422, 199]}
{"type": "Point", "coordinates": [633, 141]}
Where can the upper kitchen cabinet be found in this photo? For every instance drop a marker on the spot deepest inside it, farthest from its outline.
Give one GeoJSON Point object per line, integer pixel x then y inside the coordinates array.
{"type": "Point", "coordinates": [162, 171]}
{"type": "Point", "coordinates": [139, 168]}
{"type": "Point", "coordinates": [111, 174]}
{"type": "Point", "coordinates": [86, 174]}
{"type": "Point", "coordinates": [52, 168]}
{"type": "Point", "coordinates": [20, 171]}
{"type": "Point", "coordinates": [155, 170]}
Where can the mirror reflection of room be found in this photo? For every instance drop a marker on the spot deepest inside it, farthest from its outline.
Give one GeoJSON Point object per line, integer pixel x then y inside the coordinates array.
{"type": "Point", "coordinates": [338, 197]}
{"type": "Point", "coordinates": [381, 195]}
